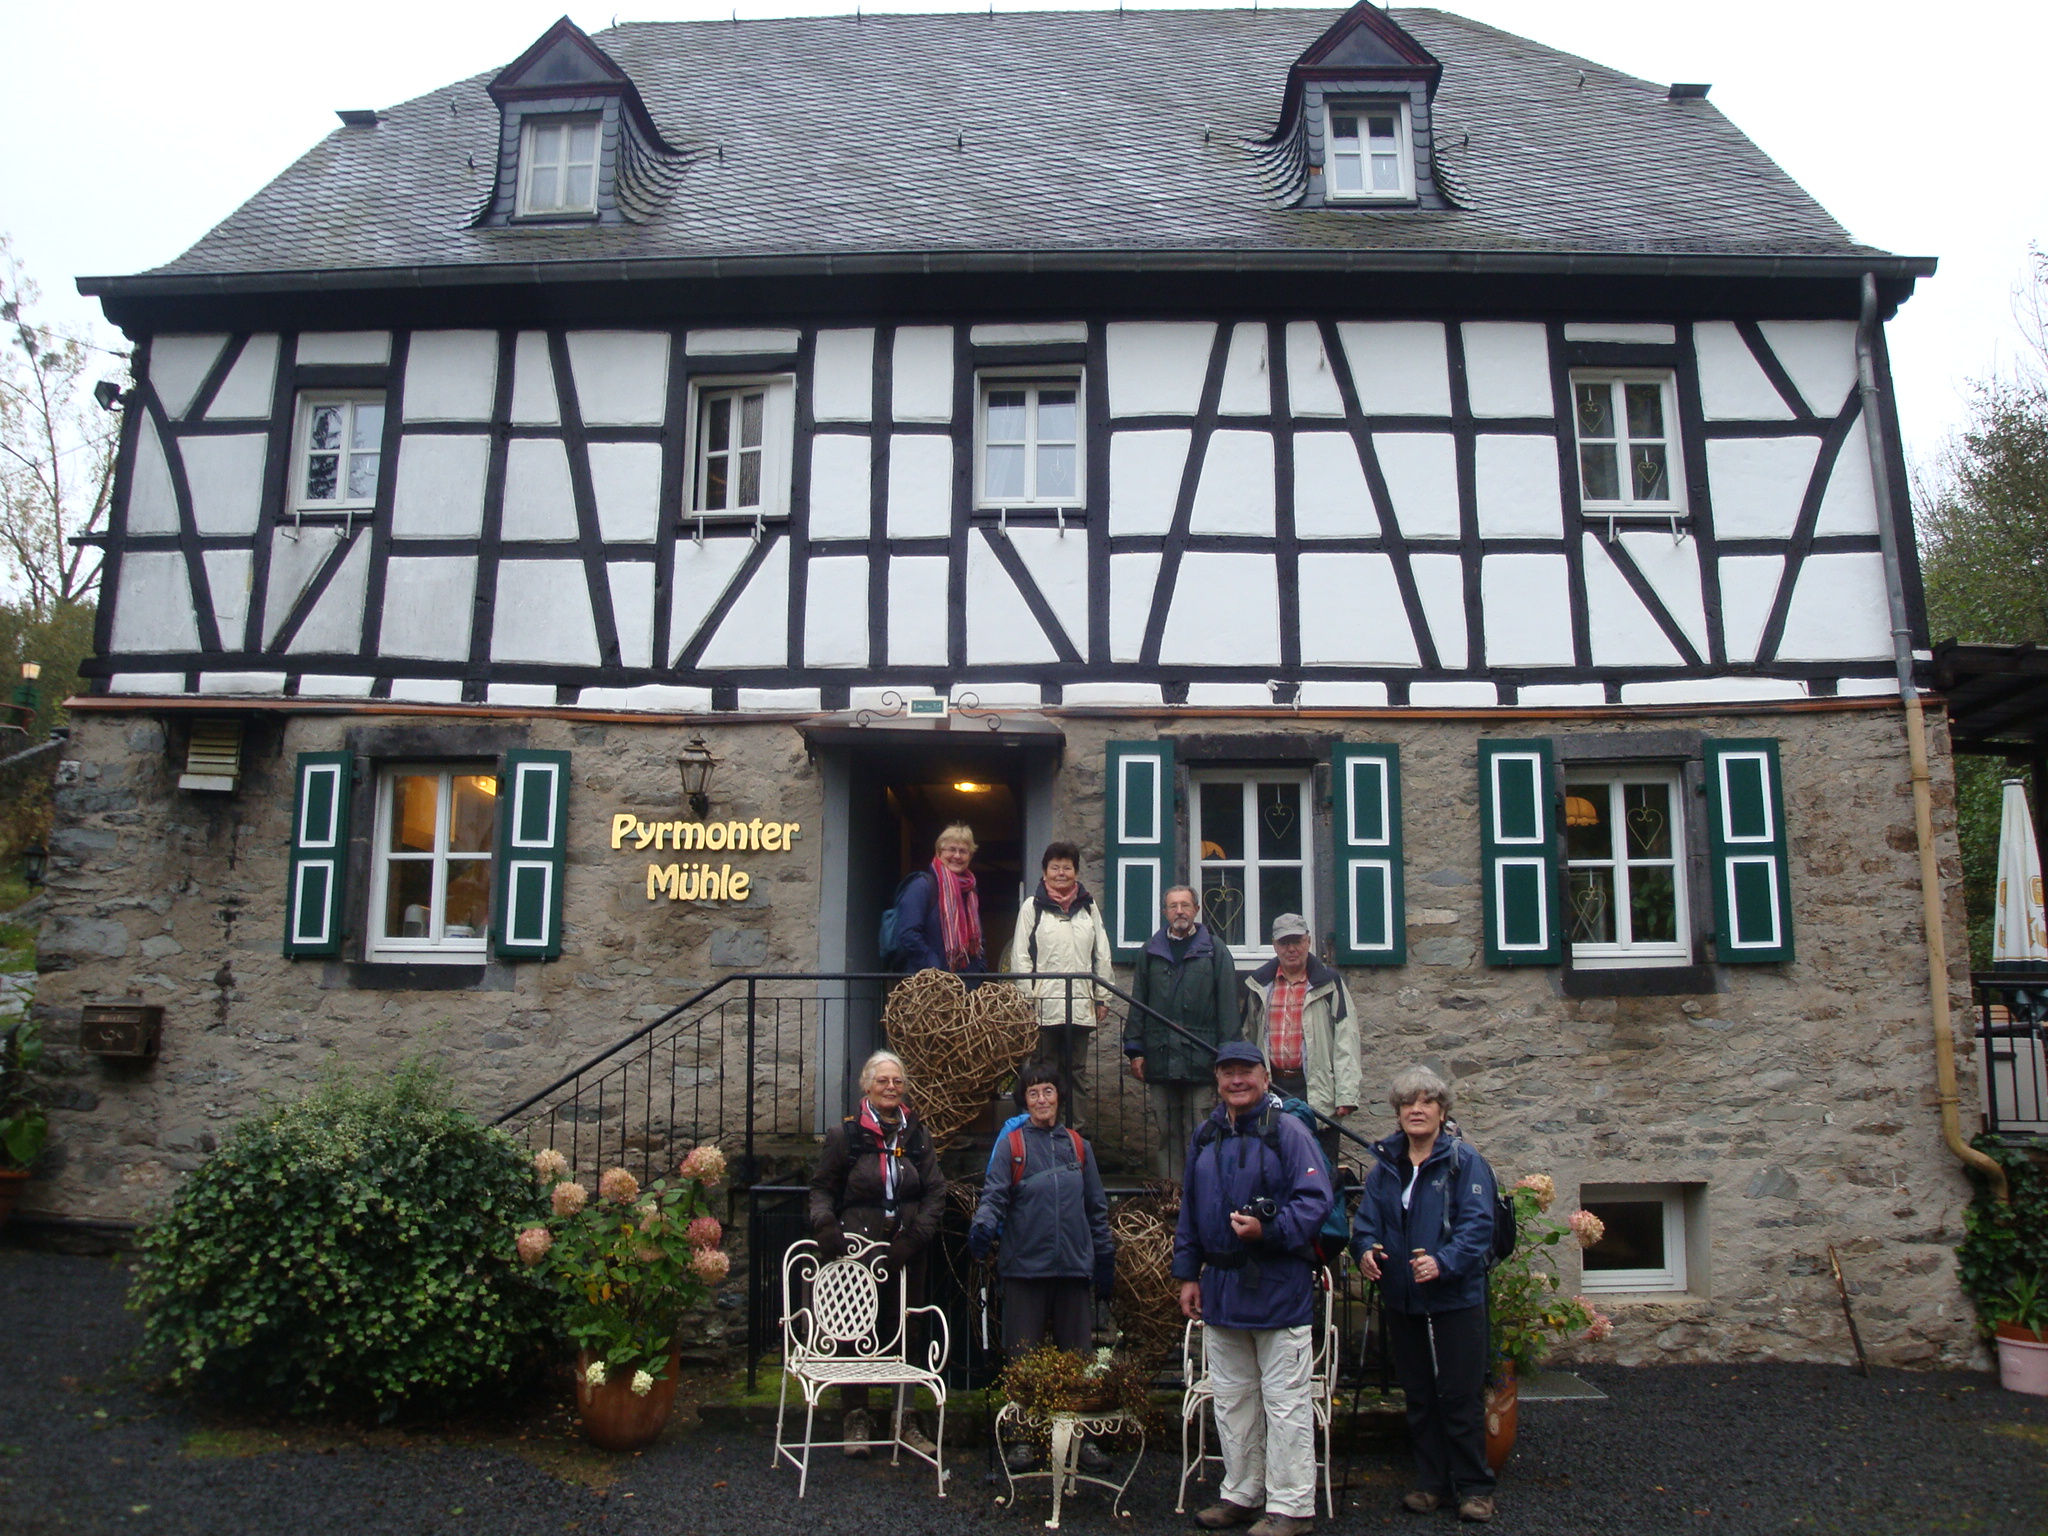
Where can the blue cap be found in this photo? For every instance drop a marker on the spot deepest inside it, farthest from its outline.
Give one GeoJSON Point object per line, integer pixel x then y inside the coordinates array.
{"type": "Point", "coordinates": [1240, 1050]}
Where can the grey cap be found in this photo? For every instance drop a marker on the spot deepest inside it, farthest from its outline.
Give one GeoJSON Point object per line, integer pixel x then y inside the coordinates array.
{"type": "Point", "coordinates": [1240, 1050]}
{"type": "Point", "coordinates": [1289, 924]}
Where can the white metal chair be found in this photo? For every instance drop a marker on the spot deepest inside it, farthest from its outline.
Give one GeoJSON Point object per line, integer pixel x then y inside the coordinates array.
{"type": "Point", "coordinates": [1198, 1398]}
{"type": "Point", "coordinates": [836, 1332]}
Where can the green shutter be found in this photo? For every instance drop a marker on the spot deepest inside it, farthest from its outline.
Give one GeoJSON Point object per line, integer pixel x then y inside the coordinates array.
{"type": "Point", "coordinates": [1365, 804]}
{"type": "Point", "coordinates": [1746, 843]}
{"type": "Point", "coordinates": [319, 862]}
{"type": "Point", "coordinates": [533, 837]}
{"type": "Point", "coordinates": [1137, 840]}
{"type": "Point", "coordinates": [1518, 852]}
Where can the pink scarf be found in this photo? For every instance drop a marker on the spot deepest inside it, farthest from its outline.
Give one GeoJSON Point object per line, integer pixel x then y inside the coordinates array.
{"type": "Point", "coordinates": [959, 916]}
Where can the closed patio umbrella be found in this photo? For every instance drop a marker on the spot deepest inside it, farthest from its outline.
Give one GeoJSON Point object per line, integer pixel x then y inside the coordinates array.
{"type": "Point", "coordinates": [2019, 936]}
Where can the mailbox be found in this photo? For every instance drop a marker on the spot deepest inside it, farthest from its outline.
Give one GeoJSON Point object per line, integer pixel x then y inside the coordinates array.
{"type": "Point", "coordinates": [128, 1029]}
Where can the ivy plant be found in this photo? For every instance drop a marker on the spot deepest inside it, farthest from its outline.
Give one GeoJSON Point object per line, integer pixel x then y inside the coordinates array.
{"type": "Point", "coordinates": [2004, 1245]}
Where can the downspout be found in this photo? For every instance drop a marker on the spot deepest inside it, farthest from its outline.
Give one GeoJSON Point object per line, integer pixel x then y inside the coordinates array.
{"type": "Point", "coordinates": [1916, 752]}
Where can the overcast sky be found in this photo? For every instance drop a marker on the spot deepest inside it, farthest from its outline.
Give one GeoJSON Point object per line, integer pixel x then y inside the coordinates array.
{"type": "Point", "coordinates": [134, 127]}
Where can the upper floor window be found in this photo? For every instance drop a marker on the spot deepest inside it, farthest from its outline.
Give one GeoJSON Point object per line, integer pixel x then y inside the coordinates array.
{"type": "Point", "coordinates": [1627, 442]}
{"type": "Point", "coordinates": [740, 447]}
{"type": "Point", "coordinates": [1367, 151]}
{"type": "Point", "coordinates": [1625, 867]}
{"type": "Point", "coordinates": [430, 887]}
{"type": "Point", "coordinates": [558, 166]}
{"type": "Point", "coordinates": [1251, 854]}
{"type": "Point", "coordinates": [1029, 442]}
{"type": "Point", "coordinates": [340, 447]}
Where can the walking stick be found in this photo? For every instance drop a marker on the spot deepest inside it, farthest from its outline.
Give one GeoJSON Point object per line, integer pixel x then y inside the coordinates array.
{"type": "Point", "coordinates": [1842, 1290]}
{"type": "Point", "coordinates": [1436, 1372]}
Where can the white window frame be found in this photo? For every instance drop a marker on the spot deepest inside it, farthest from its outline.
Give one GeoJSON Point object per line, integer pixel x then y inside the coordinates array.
{"type": "Point", "coordinates": [1033, 380]}
{"type": "Point", "coordinates": [527, 207]}
{"type": "Point", "coordinates": [1673, 1276]}
{"type": "Point", "coordinates": [1673, 505]}
{"type": "Point", "coordinates": [435, 948]}
{"type": "Point", "coordinates": [1625, 953]}
{"type": "Point", "coordinates": [778, 430]}
{"type": "Point", "coordinates": [1257, 947]}
{"type": "Point", "coordinates": [1404, 147]}
{"type": "Point", "coordinates": [302, 449]}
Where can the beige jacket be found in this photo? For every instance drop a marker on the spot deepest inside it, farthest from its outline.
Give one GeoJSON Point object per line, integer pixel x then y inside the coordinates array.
{"type": "Point", "coordinates": [1064, 941]}
{"type": "Point", "coordinates": [1329, 1033]}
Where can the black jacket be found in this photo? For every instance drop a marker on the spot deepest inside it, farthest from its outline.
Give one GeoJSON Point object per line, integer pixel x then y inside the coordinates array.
{"type": "Point", "coordinates": [1200, 993]}
{"type": "Point", "coordinates": [846, 1185]}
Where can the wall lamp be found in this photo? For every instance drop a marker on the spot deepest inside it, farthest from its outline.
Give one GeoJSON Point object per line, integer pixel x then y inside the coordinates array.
{"type": "Point", "coordinates": [34, 860]}
{"type": "Point", "coordinates": [697, 765]}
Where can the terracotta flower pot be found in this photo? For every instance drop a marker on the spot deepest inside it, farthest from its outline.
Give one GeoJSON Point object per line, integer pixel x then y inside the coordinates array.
{"type": "Point", "coordinates": [614, 1419]}
{"type": "Point", "coordinates": [1502, 1400]}
{"type": "Point", "coordinates": [12, 1182]}
{"type": "Point", "coordinates": [2022, 1360]}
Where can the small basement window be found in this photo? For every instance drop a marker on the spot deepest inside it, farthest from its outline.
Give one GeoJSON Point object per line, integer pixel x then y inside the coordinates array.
{"type": "Point", "coordinates": [558, 166]}
{"type": "Point", "coordinates": [340, 450]}
{"type": "Point", "coordinates": [1628, 448]}
{"type": "Point", "coordinates": [1367, 153]}
{"type": "Point", "coordinates": [430, 887]}
{"type": "Point", "coordinates": [1643, 1248]}
{"type": "Point", "coordinates": [1029, 444]}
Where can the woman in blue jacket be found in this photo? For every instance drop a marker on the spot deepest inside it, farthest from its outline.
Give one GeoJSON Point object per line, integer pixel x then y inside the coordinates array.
{"type": "Point", "coordinates": [1424, 1231]}
{"type": "Point", "coordinates": [938, 911]}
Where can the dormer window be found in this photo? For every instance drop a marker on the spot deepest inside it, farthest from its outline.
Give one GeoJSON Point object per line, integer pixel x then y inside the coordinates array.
{"type": "Point", "coordinates": [1368, 150]}
{"type": "Point", "coordinates": [558, 166]}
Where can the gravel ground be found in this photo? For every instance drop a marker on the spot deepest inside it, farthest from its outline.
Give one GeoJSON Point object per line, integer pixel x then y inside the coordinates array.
{"type": "Point", "coordinates": [84, 1447]}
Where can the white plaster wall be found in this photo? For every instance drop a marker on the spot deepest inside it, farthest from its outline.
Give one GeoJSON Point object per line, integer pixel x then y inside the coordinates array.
{"type": "Point", "coordinates": [1230, 696]}
{"type": "Point", "coordinates": [1440, 588]}
{"type": "Point", "coordinates": [1001, 629]}
{"type": "Point", "coordinates": [1647, 333]}
{"type": "Point", "coordinates": [319, 685]}
{"type": "Point", "coordinates": [1758, 484]}
{"type": "Point", "coordinates": [335, 626]}
{"type": "Point", "coordinates": [225, 476]}
{"type": "Point", "coordinates": [1525, 604]}
{"type": "Point", "coordinates": [621, 377]}
{"type": "Point", "coordinates": [426, 690]}
{"type": "Point", "coordinates": [152, 503]}
{"type": "Point", "coordinates": [1733, 385]}
{"type": "Point", "coordinates": [625, 482]}
{"type": "Point", "coordinates": [1460, 695]}
{"type": "Point", "coordinates": [1145, 470]}
{"type": "Point", "coordinates": [540, 504]}
{"type": "Point", "coordinates": [178, 366]}
{"type": "Point", "coordinates": [1672, 568]}
{"type": "Point", "coordinates": [840, 486]}
{"type": "Point", "coordinates": [1560, 695]}
{"type": "Point", "coordinates": [1247, 381]}
{"type": "Point", "coordinates": [1157, 367]}
{"type": "Point", "coordinates": [241, 684]}
{"type": "Point", "coordinates": [1058, 563]}
{"type": "Point", "coordinates": [250, 388]}
{"type": "Point", "coordinates": [146, 682]}
{"type": "Point", "coordinates": [1620, 628]}
{"type": "Point", "coordinates": [1352, 613]}
{"type": "Point", "coordinates": [1749, 585]}
{"type": "Point", "coordinates": [632, 588]}
{"type": "Point", "coordinates": [1133, 579]}
{"type": "Point", "coordinates": [739, 342]}
{"type": "Point", "coordinates": [1711, 690]}
{"type": "Point", "coordinates": [440, 490]}
{"type": "Point", "coordinates": [451, 375]}
{"type": "Point", "coordinates": [664, 697]}
{"type": "Point", "coordinates": [1820, 355]}
{"type": "Point", "coordinates": [1421, 471]}
{"type": "Point", "coordinates": [1515, 488]}
{"type": "Point", "coordinates": [1311, 384]}
{"type": "Point", "coordinates": [843, 376]}
{"type": "Point", "coordinates": [350, 347]}
{"type": "Point", "coordinates": [296, 554]}
{"type": "Point", "coordinates": [703, 570]}
{"type": "Point", "coordinates": [917, 610]}
{"type": "Point", "coordinates": [1849, 504]}
{"type": "Point", "coordinates": [533, 382]}
{"type": "Point", "coordinates": [836, 612]}
{"type": "Point", "coordinates": [1507, 368]}
{"type": "Point", "coordinates": [1235, 493]}
{"type": "Point", "coordinates": [1225, 612]}
{"type": "Point", "coordinates": [227, 578]}
{"type": "Point", "coordinates": [921, 374]}
{"type": "Point", "coordinates": [1331, 498]}
{"type": "Point", "coordinates": [428, 603]}
{"type": "Point", "coordinates": [1034, 334]}
{"type": "Point", "coordinates": [524, 695]}
{"type": "Point", "coordinates": [1838, 611]}
{"type": "Point", "coordinates": [1335, 695]}
{"type": "Point", "coordinates": [920, 486]}
{"type": "Point", "coordinates": [1401, 367]}
{"type": "Point", "coordinates": [756, 629]}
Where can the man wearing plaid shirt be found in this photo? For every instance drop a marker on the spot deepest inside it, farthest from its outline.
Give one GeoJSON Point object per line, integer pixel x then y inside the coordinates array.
{"type": "Point", "coordinates": [1299, 1014]}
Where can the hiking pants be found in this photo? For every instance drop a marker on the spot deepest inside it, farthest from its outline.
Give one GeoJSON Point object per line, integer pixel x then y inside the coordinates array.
{"type": "Point", "coordinates": [1265, 1418]}
{"type": "Point", "coordinates": [1446, 1398]}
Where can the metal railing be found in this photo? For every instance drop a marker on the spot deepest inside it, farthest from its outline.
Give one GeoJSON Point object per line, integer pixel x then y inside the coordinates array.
{"type": "Point", "coordinates": [2012, 1031]}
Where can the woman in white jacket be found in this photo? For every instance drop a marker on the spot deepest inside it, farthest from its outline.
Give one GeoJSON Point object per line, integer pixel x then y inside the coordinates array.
{"type": "Point", "coordinates": [1061, 929]}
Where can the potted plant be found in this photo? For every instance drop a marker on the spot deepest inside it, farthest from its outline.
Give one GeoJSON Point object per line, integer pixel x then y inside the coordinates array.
{"type": "Point", "coordinates": [625, 1267]}
{"type": "Point", "coordinates": [2018, 1317]}
{"type": "Point", "coordinates": [1528, 1309]}
{"type": "Point", "coordinates": [24, 1128]}
{"type": "Point", "coordinates": [1049, 1380]}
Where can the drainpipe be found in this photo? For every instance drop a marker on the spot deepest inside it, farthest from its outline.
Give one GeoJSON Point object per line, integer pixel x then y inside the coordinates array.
{"type": "Point", "coordinates": [1916, 753]}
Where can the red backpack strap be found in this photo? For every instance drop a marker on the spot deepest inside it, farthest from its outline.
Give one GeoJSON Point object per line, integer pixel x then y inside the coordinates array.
{"type": "Point", "coordinates": [1017, 1155]}
{"type": "Point", "coordinates": [1076, 1135]}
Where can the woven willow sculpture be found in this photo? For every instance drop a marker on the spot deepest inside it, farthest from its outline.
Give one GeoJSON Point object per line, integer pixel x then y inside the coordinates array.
{"type": "Point", "coordinates": [958, 1045]}
{"type": "Point", "coordinates": [1146, 1302]}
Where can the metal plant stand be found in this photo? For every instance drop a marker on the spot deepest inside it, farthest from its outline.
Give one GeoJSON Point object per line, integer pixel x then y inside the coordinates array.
{"type": "Point", "coordinates": [1069, 1432]}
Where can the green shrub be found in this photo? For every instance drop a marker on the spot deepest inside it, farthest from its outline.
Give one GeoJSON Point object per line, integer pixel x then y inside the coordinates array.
{"type": "Point", "coordinates": [2004, 1244]}
{"type": "Point", "coordinates": [349, 1251]}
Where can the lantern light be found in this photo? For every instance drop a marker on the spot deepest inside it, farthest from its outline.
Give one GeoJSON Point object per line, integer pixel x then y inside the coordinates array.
{"type": "Point", "coordinates": [697, 765]}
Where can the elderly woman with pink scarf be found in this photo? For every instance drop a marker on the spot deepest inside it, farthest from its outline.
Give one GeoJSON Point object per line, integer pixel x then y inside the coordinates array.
{"type": "Point", "coordinates": [938, 915]}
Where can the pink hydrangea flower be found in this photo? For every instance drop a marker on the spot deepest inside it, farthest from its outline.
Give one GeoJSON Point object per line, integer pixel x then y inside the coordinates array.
{"type": "Point", "coordinates": [711, 1264]}
{"type": "Point", "coordinates": [1541, 1186]}
{"type": "Point", "coordinates": [706, 1164]}
{"type": "Point", "coordinates": [705, 1232]}
{"type": "Point", "coordinates": [534, 1244]}
{"type": "Point", "coordinates": [551, 1166]}
{"type": "Point", "coordinates": [616, 1184]}
{"type": "Point", "coordinates": [568, 1199]}
{"type": "Point", "coordinates": [650, 1217]}
{"type": "Point", "coordinates": [645, 1255]}
{"type": "Point", "coordinates": [1586, 1227]}
{"type": "Point", "coordinates": [1602, 1325]}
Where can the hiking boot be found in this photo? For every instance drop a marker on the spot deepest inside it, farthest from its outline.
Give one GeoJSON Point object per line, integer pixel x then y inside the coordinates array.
{"type": "Point", "coordinates": [1092, 1458]}
{"type": "Point", "coordinates": [916, 1439]}
{"type": "Point", "coordinates": [1420, 1503]}
{"type": "Point", "coordinates": [1021, 1457]}
{"type": "Point", "coordinates": [857, 1429]}
{"type": "Point", "coordinates": [1283, 1525]}
{"type": "Point", "coordinates": [1478, 1509]}
{"type": "Point", "coordinates": [1223, 1514]}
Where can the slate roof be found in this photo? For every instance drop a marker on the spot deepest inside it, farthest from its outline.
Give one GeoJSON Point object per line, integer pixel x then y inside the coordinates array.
{"type": "Point", "coordinates": [1058, 133]}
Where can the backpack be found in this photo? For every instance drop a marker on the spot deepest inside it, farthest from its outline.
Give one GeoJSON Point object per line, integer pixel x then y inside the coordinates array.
{"type": "Point", "coordinates": [1334, 1235]}
{"type": "Point", "coordinates": [1017, 1153]}
{"type": "Point", "coordinates": [1506, 1229]}
{"type": "Point", "coordinates": [886, 940]}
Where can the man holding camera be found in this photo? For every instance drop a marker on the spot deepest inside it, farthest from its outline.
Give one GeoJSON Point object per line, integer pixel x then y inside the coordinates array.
{"type": "Point", "coordinates": [1256, 1189]}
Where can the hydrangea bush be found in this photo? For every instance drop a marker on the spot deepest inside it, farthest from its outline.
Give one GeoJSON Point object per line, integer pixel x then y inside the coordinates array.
{"type": "Point", "coordinates": [1529, 1311]}
{"type": "Point", "coordinates": [348, 1251]}
{"type": "Point", "coordinates": [622, 1269]}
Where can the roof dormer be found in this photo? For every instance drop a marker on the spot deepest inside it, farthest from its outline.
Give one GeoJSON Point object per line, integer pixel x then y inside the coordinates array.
{"type": "Point", "coordinates": [576, 144]}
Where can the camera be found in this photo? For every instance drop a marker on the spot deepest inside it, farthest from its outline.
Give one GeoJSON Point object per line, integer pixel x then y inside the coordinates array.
{"type": "Point", "coordinates": [1265, 1208]}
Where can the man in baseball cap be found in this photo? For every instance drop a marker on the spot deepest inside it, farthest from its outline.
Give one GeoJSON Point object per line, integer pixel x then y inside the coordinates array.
{"type": "Point", "coordinates": [1298, 1012]}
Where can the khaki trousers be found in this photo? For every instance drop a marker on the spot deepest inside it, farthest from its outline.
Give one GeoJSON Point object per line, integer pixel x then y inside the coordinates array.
{"type": "Point", "coordinates": [1265, 1418]}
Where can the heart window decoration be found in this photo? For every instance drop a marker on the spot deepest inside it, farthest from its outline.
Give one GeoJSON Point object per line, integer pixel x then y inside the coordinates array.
{"type": "Point", "coordinates": [1224, 905]}
{"type": "Point", "coordinates": [1589, 911]}
{"type": "Point", "coordinates": [1279, 818]}
{"type": "Point", "coordinates": [1645, 826]}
